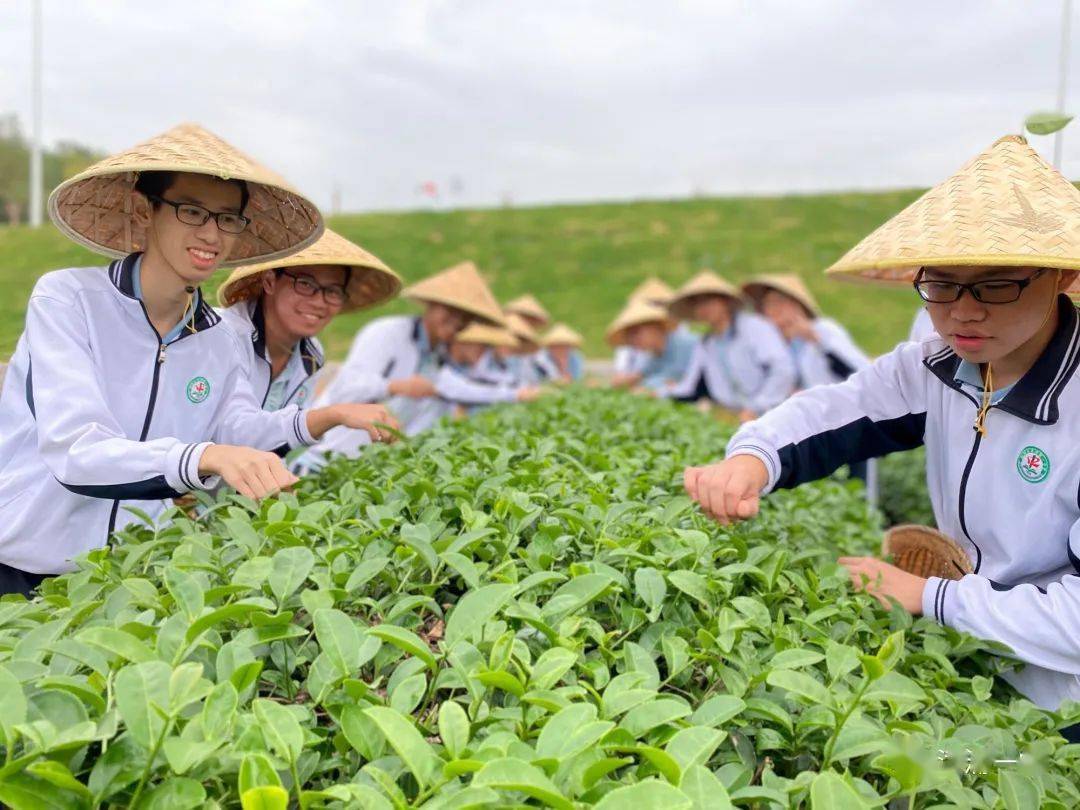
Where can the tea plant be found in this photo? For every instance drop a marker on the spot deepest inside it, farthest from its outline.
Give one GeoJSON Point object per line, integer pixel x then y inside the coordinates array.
{"type": "Point", "coordinates": [522, 609]}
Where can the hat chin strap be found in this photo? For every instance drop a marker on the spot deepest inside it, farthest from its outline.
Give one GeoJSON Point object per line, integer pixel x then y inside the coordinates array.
{"type": "Point", "coordinates": [988, 383]}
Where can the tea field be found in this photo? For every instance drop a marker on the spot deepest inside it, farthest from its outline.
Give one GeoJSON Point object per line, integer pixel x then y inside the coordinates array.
{"type": "Point", "coordinates": [518, 610]}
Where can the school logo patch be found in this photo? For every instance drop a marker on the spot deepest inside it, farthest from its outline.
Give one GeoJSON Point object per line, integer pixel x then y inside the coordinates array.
{"type": "Point", "coordinates": [1033, 464]}
{"type": "Point", "coordinates": [198, 389]}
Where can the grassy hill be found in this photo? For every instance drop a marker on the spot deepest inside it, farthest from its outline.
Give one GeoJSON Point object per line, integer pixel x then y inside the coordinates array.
{"type": "Point", "coordinates": [580, 260]}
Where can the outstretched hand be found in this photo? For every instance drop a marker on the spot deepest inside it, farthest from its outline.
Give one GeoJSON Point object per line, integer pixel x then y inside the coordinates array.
{"type": "Point", "coordinates": [729, 490]}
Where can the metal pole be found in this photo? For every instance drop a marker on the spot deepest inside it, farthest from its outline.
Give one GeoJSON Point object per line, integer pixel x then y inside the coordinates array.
{"type": "Point", "coordinates": [35, 152]}
{"type": "Point", "coordinates": [1063, 73]}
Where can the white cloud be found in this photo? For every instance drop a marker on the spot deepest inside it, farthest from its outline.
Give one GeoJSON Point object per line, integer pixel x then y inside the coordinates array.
{"type": "Point", "coordinates": [556, 100]}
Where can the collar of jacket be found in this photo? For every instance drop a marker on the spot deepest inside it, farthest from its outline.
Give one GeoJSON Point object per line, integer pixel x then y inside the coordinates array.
{"type": "Point", "coordinates": [121, 274]}
{"type": "Point", "coordinates": [310, 355]}
{"type": "Point", "coordinates": [1035, 396]}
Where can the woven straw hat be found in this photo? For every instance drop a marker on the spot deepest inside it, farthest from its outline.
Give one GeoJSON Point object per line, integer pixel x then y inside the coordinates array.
{"type": "Point", "coordinates": [704, 283]}
{"type": "Point", "coordinates": [926, 552]}
{"type": "Point", "coordinates": [1006, 208]}
{"type": "Point", "coordinates": [787, 283]}
{"type": "Point", "coordinates": [529, 307]}
{"type": "Point", "coordinates": [635, 313]}
{"type": "Point", "coordinates": [653, 290]}
{"type": "Point", "coordinates": [525, 334]}
{"type": "Point", "coordinates": [371, 282]}
{"type": "Point", "coordinates": [94, 208]}
{"type": "Point", "coordinates": [460, 287]}
{"type": "Point", "coordinates": [562, 335]}
{"type": "Point", "coordinates": [486, 335]}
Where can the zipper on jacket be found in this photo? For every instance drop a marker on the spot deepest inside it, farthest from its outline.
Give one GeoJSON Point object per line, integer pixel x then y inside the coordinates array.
{"type": "Point", "coordinates": [963, 493]}
{"type": "Point", "coordinates": [149, 412]}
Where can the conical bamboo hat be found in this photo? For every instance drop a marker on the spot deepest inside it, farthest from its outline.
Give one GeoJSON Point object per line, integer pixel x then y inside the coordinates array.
{"type": "Point", "coordinates": [94, 208]}
{"type": "Point", "coordinates": [787, 283]}
{"type": "Point", "coordinates": [486, 335]}
{"type": "Point", "coordinates": [370, 282]}
{"type": "Point", "coordinates": [460, 287]}
{"type": "Point", "coordinates": [520, 329]}
{"type": "Point", "coordinates": [635, 313]}
{"type": "Point", "coordinates": [704, 283]}
{"type": "Point", "coordinates": [1006, 208]}
{"type": "Point", "coordinates": [653, 290]}
{"type": "Point", "coordinates": [562, 335]}
{"type": "Point", "coordinates": [528, 306]}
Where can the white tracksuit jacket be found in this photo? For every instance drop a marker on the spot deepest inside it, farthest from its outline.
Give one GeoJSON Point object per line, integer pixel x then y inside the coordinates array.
{"type": "Point", "coordinates": [749, 366]}
{"type": "Point", "coordinates": [833, 358]}
{"type": "Point", "coordinates": [247, 320]}
{"type": "Point", "coordinates": [97, 414]}
{"type": "Point", "coordinates": [1009, 498]}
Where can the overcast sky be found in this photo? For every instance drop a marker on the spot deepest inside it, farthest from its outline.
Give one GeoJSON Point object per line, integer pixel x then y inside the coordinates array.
{"type": "Point", "coordinates": [553, 100]}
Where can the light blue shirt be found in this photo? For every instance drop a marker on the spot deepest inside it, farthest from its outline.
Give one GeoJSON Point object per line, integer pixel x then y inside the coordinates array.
{"type": "Point", "coordinates": [969, 375]}
{"type": "Point", "coordinates": [282, 385]}
{"type": "Point", "coordinates": [671, 364]}
{"type": "Point", "coordinates": [174, 333]}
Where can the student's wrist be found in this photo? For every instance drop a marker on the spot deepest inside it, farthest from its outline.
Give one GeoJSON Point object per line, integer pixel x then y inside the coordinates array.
{"type": "Point", "coordinates": [319, 420]}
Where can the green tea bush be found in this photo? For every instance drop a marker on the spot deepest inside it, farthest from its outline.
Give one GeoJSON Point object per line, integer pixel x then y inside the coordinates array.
{"type": "Point", "coordinates": [521, 609]}
{"type": "Point", "coordinates": [902, 493]}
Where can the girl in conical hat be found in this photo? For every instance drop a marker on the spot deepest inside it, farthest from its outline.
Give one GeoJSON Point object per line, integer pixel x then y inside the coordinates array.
{"type": "Point", "coordinates": [628, 362]}
{"type": "Point", "coordinates": [822, 350]}
{"type": "Point", "coordinates": [650, 330]}
{"type": "Point", "coordinates": [742, 363]}
{"type": "Point", "coordinates": [125, 388]}
{"type": "Point", "coordinates": [561, 352]}
{"type": "Point", "coordinates": [521, 363]}
{"type": "Point", "coordinates": [463, 384]}
{"type": "Point", "coordinates": [393, 360]}
{"type": "Point", "coordinates": [279, 307]}
{"type": "Point", "coordinates": [529, 309]}
{"type": "Point", "coordinates": [992, 252]}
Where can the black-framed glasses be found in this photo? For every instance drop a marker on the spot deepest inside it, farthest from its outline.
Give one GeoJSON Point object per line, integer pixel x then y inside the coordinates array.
{"type": "Point", "coordinates": [334, 294]}
{"type": "Point", "coordinates": [993, 291]}
{"type": "Point", "coordinates": [196, 215]}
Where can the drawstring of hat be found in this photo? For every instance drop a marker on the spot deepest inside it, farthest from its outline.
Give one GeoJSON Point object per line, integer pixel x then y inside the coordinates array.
{"type": "Point", "coordinates": [988, 383]}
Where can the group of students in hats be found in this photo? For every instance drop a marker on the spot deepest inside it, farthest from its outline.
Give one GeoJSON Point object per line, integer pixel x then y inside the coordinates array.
{"type": "Point", "coordinates": [127, 388]}
{"type": "Point", "coordinates": [762, 342]}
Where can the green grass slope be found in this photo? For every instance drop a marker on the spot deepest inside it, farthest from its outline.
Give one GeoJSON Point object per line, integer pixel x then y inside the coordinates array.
{"type": "Point", "coordinates": [580, 260]}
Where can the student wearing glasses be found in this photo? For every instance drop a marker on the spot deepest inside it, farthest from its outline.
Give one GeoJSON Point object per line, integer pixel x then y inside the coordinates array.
{"type": "Point", "coordinates": [278, 308]}
{"type": "Point", "coordinates": [395, 360]}
{"type": "Point", "coordinates": [125, 389]}
{"type": "Point", "coordinates": [992, 252]}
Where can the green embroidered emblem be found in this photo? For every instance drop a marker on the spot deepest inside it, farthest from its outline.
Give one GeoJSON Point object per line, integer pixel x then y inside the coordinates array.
{"type": "Point", "coordinates": [198, 389]}
{"type": "Point", "coordinates": [1033, 464]}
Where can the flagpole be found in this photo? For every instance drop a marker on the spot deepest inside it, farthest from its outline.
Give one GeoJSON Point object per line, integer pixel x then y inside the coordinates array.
{"type": "Point", "coordinates": [35, 152]}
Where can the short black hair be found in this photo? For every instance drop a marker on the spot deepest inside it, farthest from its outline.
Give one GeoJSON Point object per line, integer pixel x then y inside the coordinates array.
{"type": "Point", "coordinates": [155, 184]}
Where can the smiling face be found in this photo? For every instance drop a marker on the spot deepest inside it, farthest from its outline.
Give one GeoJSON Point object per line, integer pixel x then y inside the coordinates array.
{"type": "Point", "coordinates": [987, 333]}
{"type": "Point", "coordinates": [193, 253]}
{"type": "Point", "coordinates": [300, 316]}
{"type": "Point", "coordinates": [785, 312]}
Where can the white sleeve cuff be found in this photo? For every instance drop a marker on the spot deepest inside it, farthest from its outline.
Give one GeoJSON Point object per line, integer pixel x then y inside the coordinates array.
{"type": "Point", "coordinates": [939, 599]}
{"type": "Point", "coordinates": [770, 459]}
{"type": "Point", "coordinates": [300, 429]}
{"type": "Point", "coordinates": [182, 467]}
